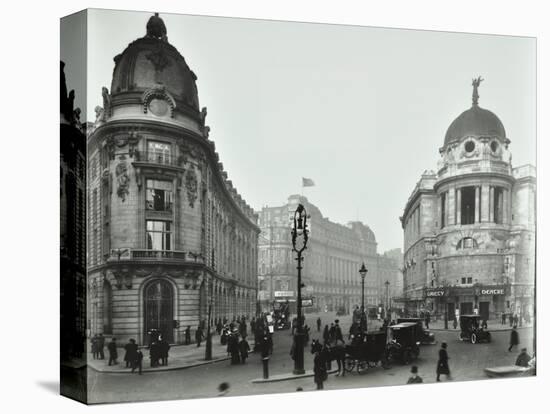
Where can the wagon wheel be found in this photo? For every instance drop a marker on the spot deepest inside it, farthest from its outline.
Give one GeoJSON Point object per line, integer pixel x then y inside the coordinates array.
{"type": "Point", "coordinates": [349, 364]}
{"type": "Point", "coordinates": [362, 366]}
{"type": "Point", "coordinates": [473, 338]}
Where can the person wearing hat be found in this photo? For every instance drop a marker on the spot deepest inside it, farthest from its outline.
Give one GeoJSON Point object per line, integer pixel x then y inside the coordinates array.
{"type": "Point", "coordinates": [338, 331]}
{"type": "Point", "coordinates": [443, 362]}
{"type": "Point", "coordinates": [414, 378]}
{"type": "Point", "coordinates": [514, 338]}
{"type": "Point", "coordinates": [523, 358]}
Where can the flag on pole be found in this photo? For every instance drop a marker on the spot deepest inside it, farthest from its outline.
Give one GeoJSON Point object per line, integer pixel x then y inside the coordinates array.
{"type": "Point", "coordinates": [307, 182]}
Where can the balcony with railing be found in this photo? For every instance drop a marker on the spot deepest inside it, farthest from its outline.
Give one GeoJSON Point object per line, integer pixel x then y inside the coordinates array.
{"type": "Point", "coordinates": [148, 255]}
{"type": "Point", "coordinates": [158, 159]}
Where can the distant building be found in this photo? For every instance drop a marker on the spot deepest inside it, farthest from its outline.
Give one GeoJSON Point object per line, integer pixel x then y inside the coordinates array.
{"type": "Point", "coordinates": [72, 225]}
{"type": "Point", "coordinates": [169, 237]}
{"type": "Point", "coordinates": [469, 228]}
{"type": "Point", "coordinates": [332, 261]}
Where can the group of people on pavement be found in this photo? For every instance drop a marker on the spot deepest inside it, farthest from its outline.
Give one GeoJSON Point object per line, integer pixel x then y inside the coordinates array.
{"type": "Point", "coordinates": [514, 319]}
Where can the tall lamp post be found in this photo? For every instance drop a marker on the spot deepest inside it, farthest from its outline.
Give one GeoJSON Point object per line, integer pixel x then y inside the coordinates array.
{"type": "Point", "coordinates": [363, 272]}
{"type": "Point", "coordinates": [299, 231]}
{"type": "Point", "coordinates": [387, 283]}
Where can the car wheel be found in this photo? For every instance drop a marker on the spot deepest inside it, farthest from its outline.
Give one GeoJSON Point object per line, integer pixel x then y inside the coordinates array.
{"type": "Point", "coordinates": [473, 338]}
{"type": "Point", "coordinates": [349, 364]}
{"type": "Point", "coordinates": [362, 366]}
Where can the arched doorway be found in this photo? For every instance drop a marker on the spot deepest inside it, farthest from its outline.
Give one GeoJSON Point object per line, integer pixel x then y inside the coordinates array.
{"type": "Point", "coordinates": [159, 309]}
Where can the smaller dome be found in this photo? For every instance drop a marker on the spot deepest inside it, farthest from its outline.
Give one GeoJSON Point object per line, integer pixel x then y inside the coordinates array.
{"type": "Point", "coordinates": [475, 121]}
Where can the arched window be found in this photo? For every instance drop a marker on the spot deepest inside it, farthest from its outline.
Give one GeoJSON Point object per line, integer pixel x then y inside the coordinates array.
{"type": "Point", "coordinates": [159, 308]}
{"type": "Point", "coordinates": [466, 243]}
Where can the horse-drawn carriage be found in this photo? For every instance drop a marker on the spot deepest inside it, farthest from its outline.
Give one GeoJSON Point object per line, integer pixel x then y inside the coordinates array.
{"type": "Point", "coordinates": [395, 343]}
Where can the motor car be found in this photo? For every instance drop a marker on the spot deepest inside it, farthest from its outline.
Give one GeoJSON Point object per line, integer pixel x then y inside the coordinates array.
{"type": "Point", "coordinates": [472, 331]}
{"type": "Point", "coordinates": [403, 344]}
{"type": "Point", "coordinates": [424, 336]}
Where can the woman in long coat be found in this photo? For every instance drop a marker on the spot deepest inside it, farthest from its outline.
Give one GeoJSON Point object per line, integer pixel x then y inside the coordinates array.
{"type": "Point", "coordinates": [443, 362]}
{"type": "Point", "coordinates": [319, 370]}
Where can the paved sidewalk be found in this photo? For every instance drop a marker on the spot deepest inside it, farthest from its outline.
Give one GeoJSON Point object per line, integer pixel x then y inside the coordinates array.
{"type": "Point", "coordinates": [180, 357]}
{"type": "Point", "coordinates": [492, 325]}
{"type": "Point", "coordinates": [287, 377]}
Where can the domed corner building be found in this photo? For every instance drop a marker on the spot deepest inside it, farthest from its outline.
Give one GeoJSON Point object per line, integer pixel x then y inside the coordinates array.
{"type": "Point", "coordinates": [169, 237]}
{"type": "Point", "coordinates": [469, 227]}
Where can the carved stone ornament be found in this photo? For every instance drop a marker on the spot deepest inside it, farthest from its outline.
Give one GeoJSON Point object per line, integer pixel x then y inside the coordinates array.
{"type": "Point", "coordinates": [106, 103]}
{"type": "Point", "coordinates": [123, 180]}
{"type": "Point", "coordinates": [153, 100]}
{"type": "Point", "coordinates": [191, 185]}
{"type": "Point", "coordinates": [123, 278]}
{"type": "Point", "coordinates": [187, 152]}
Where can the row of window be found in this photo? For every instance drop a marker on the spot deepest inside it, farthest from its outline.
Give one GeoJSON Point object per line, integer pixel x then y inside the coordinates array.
{"type": "Point", "coordinates": [467, 204]}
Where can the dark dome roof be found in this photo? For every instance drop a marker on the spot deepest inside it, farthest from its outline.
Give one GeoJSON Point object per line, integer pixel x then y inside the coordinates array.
{"type": "Point", "coordinates": [475, 121]}
{"type": "Point", "coordinates": [152, 62]}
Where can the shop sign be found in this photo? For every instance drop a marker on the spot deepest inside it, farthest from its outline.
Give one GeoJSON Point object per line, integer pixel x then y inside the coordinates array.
{"type": "Point", "coordinates": [283, 293]}
{"type": "Point", "coordinates": [498, 291]}
{"type": "Point", "coordinates": [435, 293]}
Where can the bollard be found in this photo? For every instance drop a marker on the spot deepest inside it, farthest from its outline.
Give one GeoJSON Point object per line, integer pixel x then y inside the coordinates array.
{"type": "Point", "coordinates": [265, 363]}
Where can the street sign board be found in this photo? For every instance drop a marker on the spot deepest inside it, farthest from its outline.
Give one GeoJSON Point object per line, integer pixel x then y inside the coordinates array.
{"type": "Point", "coordinates": [307, 303]}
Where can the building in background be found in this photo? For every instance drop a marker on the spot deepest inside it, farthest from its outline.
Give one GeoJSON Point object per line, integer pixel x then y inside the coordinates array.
{"type": "Point", "coordinates": [72, 225]}
{"type": "Point", "coordinates": [169, 237]}
{"type": "Point", "coordinates": [469, 228]}
{"type": "Point", "coordinates": [332, 261]}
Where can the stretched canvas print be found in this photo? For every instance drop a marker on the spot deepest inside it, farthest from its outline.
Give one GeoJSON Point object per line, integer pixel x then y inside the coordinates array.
{"type": "Point", "coordinates": [356, 207]}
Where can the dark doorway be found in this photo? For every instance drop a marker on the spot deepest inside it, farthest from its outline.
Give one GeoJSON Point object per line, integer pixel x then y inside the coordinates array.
{"type": "Point", "coordinates": [484, 310]}
{"type": "Point", "coordinates": [466, 308]}
{"type": "Point", "coordinates": [107, 307]}
{"type": "Point", "coordinates": [450, 311]}
{"type": "Point", "coordinates": [467, 205]}
{"type": "Point", "coordinates": [159, 309]}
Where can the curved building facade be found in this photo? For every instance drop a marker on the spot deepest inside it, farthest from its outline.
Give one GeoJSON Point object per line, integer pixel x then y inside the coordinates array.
{"type": "Point", "coordinates": [469, 227]}
{"type": "Point", "coordinates": [169, 237]}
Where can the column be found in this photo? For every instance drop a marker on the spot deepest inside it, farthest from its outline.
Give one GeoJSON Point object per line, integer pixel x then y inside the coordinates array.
{"type": "Point", "coordinates": [458, 206]}
{"type": "Point", "coordinates": [477, 207]}
{"type": "Point", "coordinates": [484, 203]}
{"type": "Point", "coordinates": [491, 204]}
{"type": "Point", "coordinates": [451, 207]}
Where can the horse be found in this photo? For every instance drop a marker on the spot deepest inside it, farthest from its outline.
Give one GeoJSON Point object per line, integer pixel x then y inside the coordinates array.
{"type": "Point", "coordinates": [331, 353]}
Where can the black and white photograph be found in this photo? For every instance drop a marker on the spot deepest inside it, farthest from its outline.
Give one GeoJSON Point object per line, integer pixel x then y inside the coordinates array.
{"type": "Point", "coordinates": [275, 208]}
{"type": "Point", "coordinates": [349, 207]}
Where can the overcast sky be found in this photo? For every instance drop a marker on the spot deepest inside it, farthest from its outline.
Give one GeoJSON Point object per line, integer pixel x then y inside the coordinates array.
{"type": "Point", "coordinates": [361, 111]}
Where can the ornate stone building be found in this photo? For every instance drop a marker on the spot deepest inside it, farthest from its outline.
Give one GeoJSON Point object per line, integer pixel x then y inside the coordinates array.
{"type": "Point", "coordinates": [469, 228]}
{"type": "Point", "coordinates": [168, 234]}
{"type": "Point", "coordinates": [332, 261]}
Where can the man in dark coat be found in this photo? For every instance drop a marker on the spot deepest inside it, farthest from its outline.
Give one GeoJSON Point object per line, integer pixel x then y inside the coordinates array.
{"type": "Point", "coordinates": [113, 355]}
{"type": "Point", "coordinates": [503, 321]}
{"type": "Point", "coordinates": [331, 333]}
{"type": "Point", "coordinates": [443, 363]}
{"type": "Point", "coordinates": [319, 324]}
{"type": "Point", "coordinates": [523, 358]}
{"type": "Point", "coordinates": [326, 334]}
{"type": "Point", "coordinates": [187, 335]}
{"type": "Point", "coordinates": [319, 370]}
{"type": "Point", "coordinates": [130, 354]}
{"type": "Point", "coordinates": [233, 348]}
{"type": "Point", "coordinates": [164, 347]}
{"type": "Point", "coordinates": [514, 338]}
{"type": "Point", "coordinates": [199, 336]}
{"type": "Point", "coordinates": [511, 319]}
{"type": "Point", "coordinates": [338, 331]}
{"type": "Point", "coordinates": [154, 353]}
{"type": "Point", "coordinates": [516, 319]}
{"type": "Point", "coordinates": [244, 348]}
{"type": "Point", "coordinates": [427, 320]}
{"type": "Point", "coordinates": [95, 352]}
{"type": "Point", "coordinates": [101, 346]}
{"type": "Point", "coordinates": [137, 362]}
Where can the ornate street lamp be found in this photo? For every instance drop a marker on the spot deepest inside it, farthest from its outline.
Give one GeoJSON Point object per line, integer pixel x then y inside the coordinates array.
{"type": "Point", "coordinates": [387, 283]}
{"type": "Point", "coordinates": [363, 272]}
{"type": "Point", "coordinates": [299, 234]}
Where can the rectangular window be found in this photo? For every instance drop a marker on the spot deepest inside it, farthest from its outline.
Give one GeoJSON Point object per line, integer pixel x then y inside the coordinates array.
{"type": "Point", "coordinates": [463, 280]}
{"type": "Point", "coordinates": [469, 280]}
{"type": "Point", "coordinates": [159, 152]}
{"type": "Point", "coordinates": [498, 204]}
{"type": "Point", "coordinates": [467, 205]}
{"type": "Point", "coordinates": [159, 235]}
{"type": "Point", "coordinates": [443, 211]}
{"type": "Point", "coordinates": [158, 195]}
